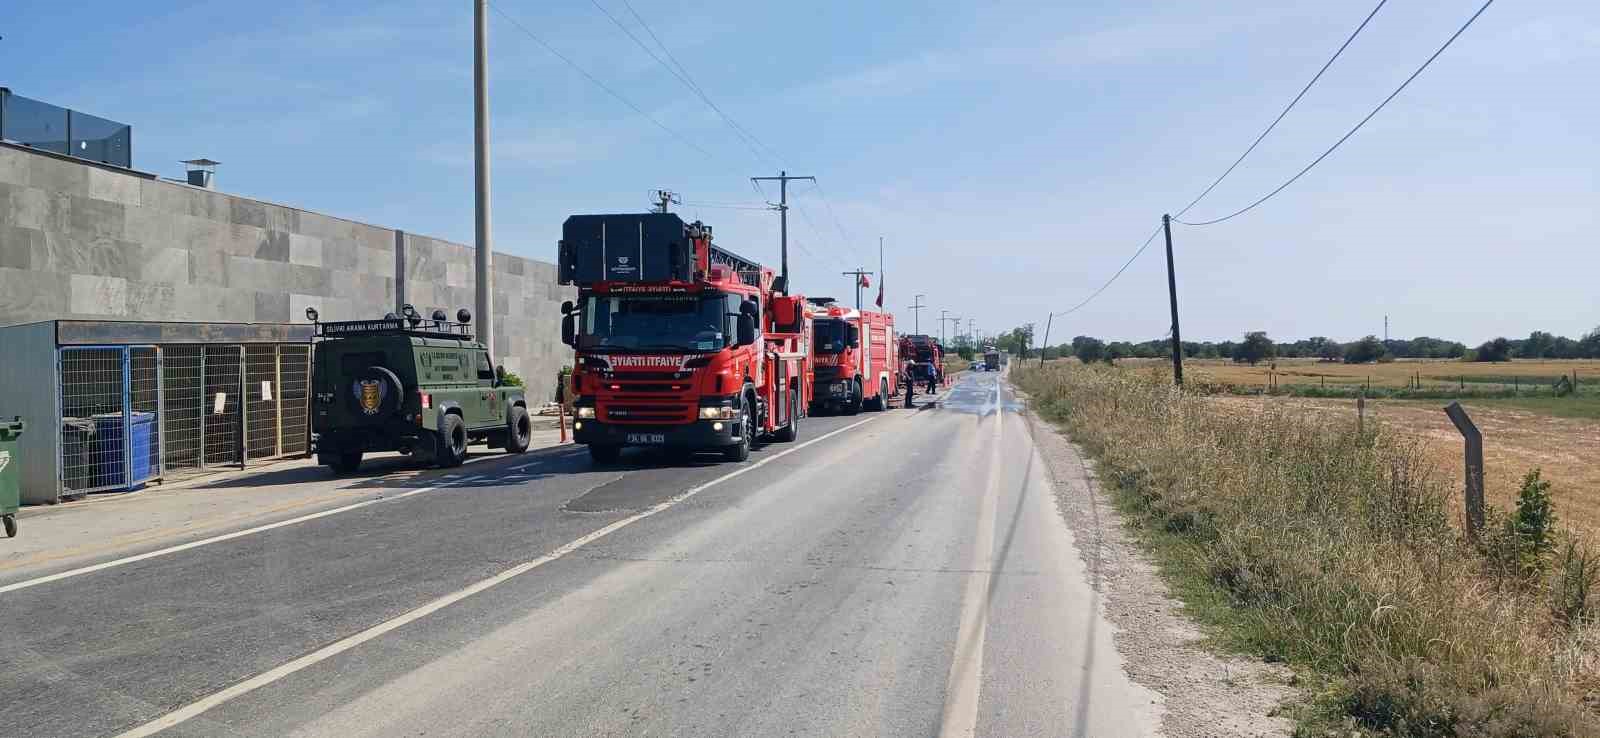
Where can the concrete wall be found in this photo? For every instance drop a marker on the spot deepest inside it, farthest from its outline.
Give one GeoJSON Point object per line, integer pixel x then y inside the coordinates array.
{"type": "Point", "coordinates": [84, 241]}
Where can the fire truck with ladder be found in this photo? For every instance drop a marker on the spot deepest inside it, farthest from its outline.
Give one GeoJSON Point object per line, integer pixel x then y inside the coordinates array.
{"type": "Point", "coordinates": [678, 343]}
{"type": "Point", "coordinates": [855, 356]}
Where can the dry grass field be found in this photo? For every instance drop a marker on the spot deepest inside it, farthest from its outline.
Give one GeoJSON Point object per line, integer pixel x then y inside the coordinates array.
{"type": "Point", "coordinates": [1432, 373]}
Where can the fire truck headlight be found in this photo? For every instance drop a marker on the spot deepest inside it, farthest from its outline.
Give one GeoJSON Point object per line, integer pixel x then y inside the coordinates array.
{"type": "Point", "coordinates": [577, 425]}
{"type": "Point", "coordinates": [716, 413]}
{"type": "Point", "coordinates": [586, 412]}
{"type": "Point", "coordinates": [716, 426]}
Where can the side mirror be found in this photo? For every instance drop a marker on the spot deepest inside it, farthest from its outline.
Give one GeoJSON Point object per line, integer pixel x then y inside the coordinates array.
{"type": "Point", "coordinates": [750, 308]}
{"type": "Point", "coordinates": [747, 329]}
{"type": "Point", "coordinates": [566, 307]}
{"type": "Point", "coordinates": [569, 329]}
{"type": "Point", "coordinates": [855, 337]}
{"type": "Point", "coordinates": [500, 373]}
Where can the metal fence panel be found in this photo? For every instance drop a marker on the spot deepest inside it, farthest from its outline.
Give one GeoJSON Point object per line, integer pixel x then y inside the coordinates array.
{"type": "Point", "coordinates": [261, 406]}
{"type": "Point", "coordinates": [182, 407]}
{"type": "Point", "coordinates": [144, 404]}
{"type": "Point", "coordinates": [94, 408]}
{"type": "Point", "coordinates": [294, 395]}
{"type": "Point", "coordinates": [223, 379]}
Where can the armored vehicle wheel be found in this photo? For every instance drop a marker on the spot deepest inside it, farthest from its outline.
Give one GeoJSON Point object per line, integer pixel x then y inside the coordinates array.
{"type": "Point", "coordinates": [11, 526]}
{"type": "Point", "coordinates": [451, 442]}
{"type": "Point", "coordinates": [341, 462]}
{"type": "Point", "coordinates": [519, 431]}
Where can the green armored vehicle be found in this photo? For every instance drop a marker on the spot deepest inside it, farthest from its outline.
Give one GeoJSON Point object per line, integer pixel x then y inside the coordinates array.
{"type": "Point", "coordinates": [422, 387]}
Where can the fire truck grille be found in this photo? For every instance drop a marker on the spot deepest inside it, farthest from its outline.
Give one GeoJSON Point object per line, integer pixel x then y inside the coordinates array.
{"type": "Point", "coordinates": [827, 372]}
{"type": "Point", "coordinates": [654, 413]}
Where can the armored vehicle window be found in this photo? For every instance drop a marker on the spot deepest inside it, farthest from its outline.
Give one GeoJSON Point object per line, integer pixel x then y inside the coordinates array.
{"type": "Point", "coordinates": [485, 369]}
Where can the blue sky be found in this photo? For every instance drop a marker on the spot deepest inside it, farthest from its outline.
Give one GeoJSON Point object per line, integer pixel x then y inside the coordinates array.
{"type": "Point", "coordinates": [1012, 154]}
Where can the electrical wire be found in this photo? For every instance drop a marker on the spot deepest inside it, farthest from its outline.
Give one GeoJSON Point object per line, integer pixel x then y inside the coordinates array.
{"type": "Point", "coordinates": [1286, 110]}
{"type": "Point", "coordinates": [837, 224]}
{"type": "Point", "coordinates": [1352, 131]}
{"type": "Point", "coordinates": [1114, 277]}
{"type": "Point", "coordinates": [749, 139]}
{"type": "Point", "coordinates": [598, 83]}
{"type": "Point", "coordinates": [725, 206]}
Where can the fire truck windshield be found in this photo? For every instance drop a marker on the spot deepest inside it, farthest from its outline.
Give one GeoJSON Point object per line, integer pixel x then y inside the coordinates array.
{"type": "Point", "coordinates": [830, 336]}
{"type": "Point", "coordinates": [701, 322]}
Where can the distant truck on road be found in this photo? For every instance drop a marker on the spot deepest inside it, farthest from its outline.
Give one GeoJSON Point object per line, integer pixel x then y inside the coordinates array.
{"type": "Point", "coordinates": [991, 361]}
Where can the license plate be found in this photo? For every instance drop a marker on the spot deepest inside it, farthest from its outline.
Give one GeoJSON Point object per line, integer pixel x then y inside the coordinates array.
{"type": "Point", "coordinates": [643, 438]}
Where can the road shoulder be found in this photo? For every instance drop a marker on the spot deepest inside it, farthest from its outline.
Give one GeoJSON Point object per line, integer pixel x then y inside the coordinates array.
{"type": "Point", "coordinates": [1204, 693]}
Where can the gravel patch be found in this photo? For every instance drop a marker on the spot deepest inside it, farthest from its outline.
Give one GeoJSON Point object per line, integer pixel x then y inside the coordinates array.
{"type": "Point", "coordinates": [1204, 694]}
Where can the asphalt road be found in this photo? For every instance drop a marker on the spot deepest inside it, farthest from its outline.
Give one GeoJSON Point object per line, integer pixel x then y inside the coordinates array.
{"type": "Point", "coordinates": [896, 573]}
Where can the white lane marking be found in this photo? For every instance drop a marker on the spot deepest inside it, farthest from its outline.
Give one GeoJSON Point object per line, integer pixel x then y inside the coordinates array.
{"type": "Point", "coordinates": [962, 689]}
{"type": "Point", "coordinates": [208, 541]}
{"type": "Point", "coordinates": [200, 706]}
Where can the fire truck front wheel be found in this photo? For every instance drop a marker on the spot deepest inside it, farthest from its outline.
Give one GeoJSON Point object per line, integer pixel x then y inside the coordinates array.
{"type": "Point", "coordinates": [853, 405]}
{"type": "Point", "coordinates": [604, 453]}
{"type": "Point", "coordinates": [747, 429]}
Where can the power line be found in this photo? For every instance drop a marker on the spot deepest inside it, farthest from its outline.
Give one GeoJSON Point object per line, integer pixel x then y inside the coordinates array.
{"type": "Point", "coordinates": [1352, 131]}
{"type": "Point", "coordinates": [749, 140]}
{"type": "Point", "coordinates": [1114, 277]}
{"type": "Point", "coordinates": [726, 206]}
{"type": "Point", "coordinates": [836, 222]}
{"type": "Point", "coordinates": [1286, 110]}
{"type": "Point", "coordinates": [598, 83]}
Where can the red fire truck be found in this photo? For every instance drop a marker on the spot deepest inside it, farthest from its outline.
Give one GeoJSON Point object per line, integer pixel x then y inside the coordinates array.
{"type": "Point", "coordinates": [856, 358]}
{"type": "Point", "coordinates": [927, 358]}
{"type": "Point", "coordinates": [678, 343]}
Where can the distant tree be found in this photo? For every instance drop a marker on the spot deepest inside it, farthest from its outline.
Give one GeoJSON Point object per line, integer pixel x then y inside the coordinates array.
{"type": "Point", "coordinates": [1538, 345]}
{"type": "Point", "coordinates": [1589, 345]}
{"type": "Point", "coordinates": [1256, 346]}
{"type": "Point", "coordinates": [1331, 351]}
{"type": "Point", "coordinates": [1497, 350]}
{"type": "Point", "coordinates": [1226, 348]}
{"type": "Point", "coordinates": [1564, 348]}
{"type": "Point", "coordinates": [1089, 350]}
{"type": "Point", "coordinates": [1118, 350]}
{"type": "Point", "coordinates": [1366, 350]}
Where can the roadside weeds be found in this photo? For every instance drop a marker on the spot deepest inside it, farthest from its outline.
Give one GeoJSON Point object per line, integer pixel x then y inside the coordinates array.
{"type": "Point", "coordinates": [1204, 692]}
{"type": "Point", "coordinates": [1305, 542]}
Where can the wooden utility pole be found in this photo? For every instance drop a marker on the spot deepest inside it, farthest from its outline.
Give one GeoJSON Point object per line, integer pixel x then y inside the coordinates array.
{"type": "Point", "coordinates": [783, 217]}
{"type": "Point", "coordinates": [1046, 343]}
{"type": "Point", "coordinates": [1172, 295]}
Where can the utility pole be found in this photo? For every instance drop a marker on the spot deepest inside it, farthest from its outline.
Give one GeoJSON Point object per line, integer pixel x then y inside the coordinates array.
{"type": "Point", "coordinates": [783, 217]}
{"type": "Point", "coordinates": [1172, 294]}
{"type": "Point", "coordinates": [858, 274]}
{"type": "Point", "coordinates": [483, 303]}
{"type": "Point", "coordinates": [916, 309]}
{"type": "Point", "coordinates": [665, 198]}
{"type": "Point", "coordinates": [1386, 330]}
{"type": "Point", "coordinates": [1046, 344]}
{"type": "Point", "coordinates": [942, 320]}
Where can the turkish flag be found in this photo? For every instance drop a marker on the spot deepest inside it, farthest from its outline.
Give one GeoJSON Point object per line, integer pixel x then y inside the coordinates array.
{"type": "Point", "coordinates": [865, 282]}
{"type": "Point", "coordinates": [880, 295]}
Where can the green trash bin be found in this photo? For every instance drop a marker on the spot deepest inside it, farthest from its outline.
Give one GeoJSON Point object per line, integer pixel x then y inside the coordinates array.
{"type": "Point", "coordinates": [10, 493]}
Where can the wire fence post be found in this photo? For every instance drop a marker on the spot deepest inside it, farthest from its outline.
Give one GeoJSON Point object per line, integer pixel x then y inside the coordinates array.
{"type": "Point", "coordinates": [1361, 414]}
{"type": "Point", "coordinates": [1474, 467]}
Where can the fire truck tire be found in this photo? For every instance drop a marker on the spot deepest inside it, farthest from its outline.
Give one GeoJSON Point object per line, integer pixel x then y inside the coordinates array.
{"type": "Point", "coordinates": [790, 430]}
{"type": "Point", "coordinates": [601, 453]}
{"type": "Point", "coordinates": [747, 431]}
{"type": "Point", "coordinates": [853, 405]}
{"type": "Point", "coordinates": [881, 402]}
{"type": "Point", "coordinates": [450, 443]}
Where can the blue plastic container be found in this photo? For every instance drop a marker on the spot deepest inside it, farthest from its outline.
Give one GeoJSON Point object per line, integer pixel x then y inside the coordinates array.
{"type": "Point", "coordinates": [108, 450]}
